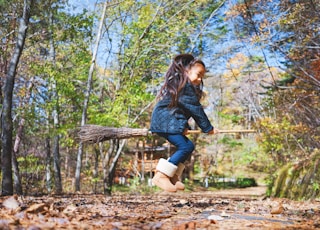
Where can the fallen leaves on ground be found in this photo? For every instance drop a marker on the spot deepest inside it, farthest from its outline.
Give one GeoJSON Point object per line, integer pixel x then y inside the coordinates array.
{"type": "Point", "coordinates": [227, 209]}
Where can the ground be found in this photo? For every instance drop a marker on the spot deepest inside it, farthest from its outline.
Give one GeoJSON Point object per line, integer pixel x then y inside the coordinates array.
{"type": "Point", "coordinates": [224, 209]}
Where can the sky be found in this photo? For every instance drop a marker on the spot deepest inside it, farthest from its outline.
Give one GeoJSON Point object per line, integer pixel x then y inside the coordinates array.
{"type": "Point", "coordinates": [79, 5]}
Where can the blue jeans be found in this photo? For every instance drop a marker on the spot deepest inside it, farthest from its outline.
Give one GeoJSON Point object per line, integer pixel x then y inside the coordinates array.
{"type": "Point", "coordinates": [184, 147]}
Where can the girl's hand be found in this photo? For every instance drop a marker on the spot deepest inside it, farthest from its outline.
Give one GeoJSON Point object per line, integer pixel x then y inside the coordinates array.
{"type": "Point", "coordinates": [185, 132]}
{"type": "Point", "coordinates": [213, 132]}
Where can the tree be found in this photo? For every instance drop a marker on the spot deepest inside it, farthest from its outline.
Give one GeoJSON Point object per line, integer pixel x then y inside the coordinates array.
{"type": "Point", "coordinates": [67, 71]}
{"type": "Point", "coordinates": [19, 135]}
{"type": "Point", "coordinates": [6, 115]}
{"type": "Point", "coordinates": [87, 96]}
{"type": "Point", "coordinates": [290, 131]}
{"type": "Point", "coordinates": [56, 112]}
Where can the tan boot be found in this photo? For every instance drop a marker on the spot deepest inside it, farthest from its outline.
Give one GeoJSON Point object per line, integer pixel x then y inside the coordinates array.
{"type": "Point", "coordinates": [165, 170]}
{"type": "Point", "coordinates": [176, 178]}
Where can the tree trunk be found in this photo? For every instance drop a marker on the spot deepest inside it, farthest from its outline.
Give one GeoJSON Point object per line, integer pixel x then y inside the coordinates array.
{"type": "Point", "coordinates": [56, 123]}
{"type": "Point", "coordinates": [1, 102]}
{"type": "Point", "coordinates": [48, 164]}
{"type": "Point", "coordinates": [105, 163]}
{"type": "Point", "coordinates": [6, 118]}
{"type": "Point", "coordinates": [299, 181]}
{"type": "Point", "coordinates": [78, 167]}
{"type": "Point", "coordinates": [96, 169]}
{"type": "Point", "coordinates": [56, 165]}
{"type": "Point", "coordinates": [15, 165]}
{"type": "Point", "coordinates": [113, 166]}
{"type": "Point", "coordinates": [87, 97]}
{"type": "Point", "coordinates": [142, 163]}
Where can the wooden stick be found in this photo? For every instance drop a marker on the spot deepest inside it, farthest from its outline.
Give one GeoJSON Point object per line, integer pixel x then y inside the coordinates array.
{"type": "Point", "coordinates": [224, 131]}
{"type": "Point", "coordinates": [97, 133]}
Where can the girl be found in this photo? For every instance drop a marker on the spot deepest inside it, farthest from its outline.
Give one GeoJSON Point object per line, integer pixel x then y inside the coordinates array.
{"type": "Point", "coordinates": [179, 100]}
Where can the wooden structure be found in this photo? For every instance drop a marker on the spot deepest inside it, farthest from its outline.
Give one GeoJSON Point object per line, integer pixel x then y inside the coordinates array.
{"type": "Point", "coordinates": [144, 160]}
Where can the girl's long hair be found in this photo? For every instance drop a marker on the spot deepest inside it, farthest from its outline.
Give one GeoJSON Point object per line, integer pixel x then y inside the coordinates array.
{"type": "Point", "coordinates": [176, 78]}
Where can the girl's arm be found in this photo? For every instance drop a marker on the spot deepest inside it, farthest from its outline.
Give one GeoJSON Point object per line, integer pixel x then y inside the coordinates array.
{"type": "Point", "coordinates": [189, 102]}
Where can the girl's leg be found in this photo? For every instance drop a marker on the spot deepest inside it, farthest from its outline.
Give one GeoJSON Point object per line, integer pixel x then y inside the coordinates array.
{"type": "Point", "coordinates": [184, 148]}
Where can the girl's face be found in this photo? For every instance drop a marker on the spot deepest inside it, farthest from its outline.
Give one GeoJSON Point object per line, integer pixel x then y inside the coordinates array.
{"type": "Point", "coordinates": [196, 73]}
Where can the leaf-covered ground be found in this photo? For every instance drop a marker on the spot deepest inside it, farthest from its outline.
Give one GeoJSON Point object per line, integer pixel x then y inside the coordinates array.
{"type": "Point", "coordinates": [224, 209]}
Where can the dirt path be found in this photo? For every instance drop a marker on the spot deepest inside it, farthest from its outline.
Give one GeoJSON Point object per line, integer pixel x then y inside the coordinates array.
{"type": "Point", "coordinates": [226, 209]}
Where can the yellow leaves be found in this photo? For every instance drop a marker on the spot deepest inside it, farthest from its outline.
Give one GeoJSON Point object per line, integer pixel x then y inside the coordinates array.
{"type": "Point", "coordinates": [237, 61]}
{"type": "Point", "coordinates": [234, 67]}
{"type": "Point", "coordinates": [280, 136]}
{"type": "Point", "coordinates": [274, 126]}
{"type": "Point", "coordinates": [263, 25]}
{"type": "Point", "coordinates": [236, 10]}
{"type": "Point", "coordinates": [278, 209]}
{"type": "Point", "coordinates": [255, 39]}
{"type": "Point", "coordinates": [145, 16]}
{"type": "Point", "coordinates": [37, 208]}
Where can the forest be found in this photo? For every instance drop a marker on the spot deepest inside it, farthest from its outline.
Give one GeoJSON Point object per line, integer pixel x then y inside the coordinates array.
{"type": "Point", "coordinates": [67, 64]}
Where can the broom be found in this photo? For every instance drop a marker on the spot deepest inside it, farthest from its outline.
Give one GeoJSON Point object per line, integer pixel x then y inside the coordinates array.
{"type": "Point", "coordinates": [97, 133]}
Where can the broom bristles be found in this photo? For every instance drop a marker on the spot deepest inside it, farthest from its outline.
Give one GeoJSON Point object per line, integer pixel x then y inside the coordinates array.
{"type": "Point", "coordinates": [97, 133]}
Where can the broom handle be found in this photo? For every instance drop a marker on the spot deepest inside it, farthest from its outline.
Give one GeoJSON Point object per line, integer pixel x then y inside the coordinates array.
{"type": "Point", "coordinates": [224, 131]}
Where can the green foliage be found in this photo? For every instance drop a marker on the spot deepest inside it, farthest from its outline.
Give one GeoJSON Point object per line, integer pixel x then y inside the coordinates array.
{"type": "Point", "coordinates": [68, 72]}
{"type": "Point", "coordinates": [286, 79]}
{"type": "Point", "coordinates": [225, 182]}
{"type": "Point", "coordinates": [255, 160]}
{"type": "Point", "coordinates": [230, 142]}
{"type": "Point", "coordinates": [299, 180]}
{"type": "Point", "coordinates": [30, 164]}
{"type": "Point", "coordinates": [234, 118]}
{"type": "Point", "coordinates": [250, 157]}
{"type": "Point", "coordinates": [136, 187]}
{"type": "Point", "coordinates": [3, 4]}
{"type": "Point", "coordinates": [32, 171]}
{"type": "Point", "coordinates": [278, 138]}
{"type": "Point", "coordinates": [316, 186]}
{"type": "Point", "coordinates": [197, 168]}
{"type": "Point", "coordinates": [246, 182]}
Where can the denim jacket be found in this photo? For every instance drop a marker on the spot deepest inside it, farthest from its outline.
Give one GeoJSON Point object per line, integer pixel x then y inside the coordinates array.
{"type": "Point", "coordinates": [175, 120]}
